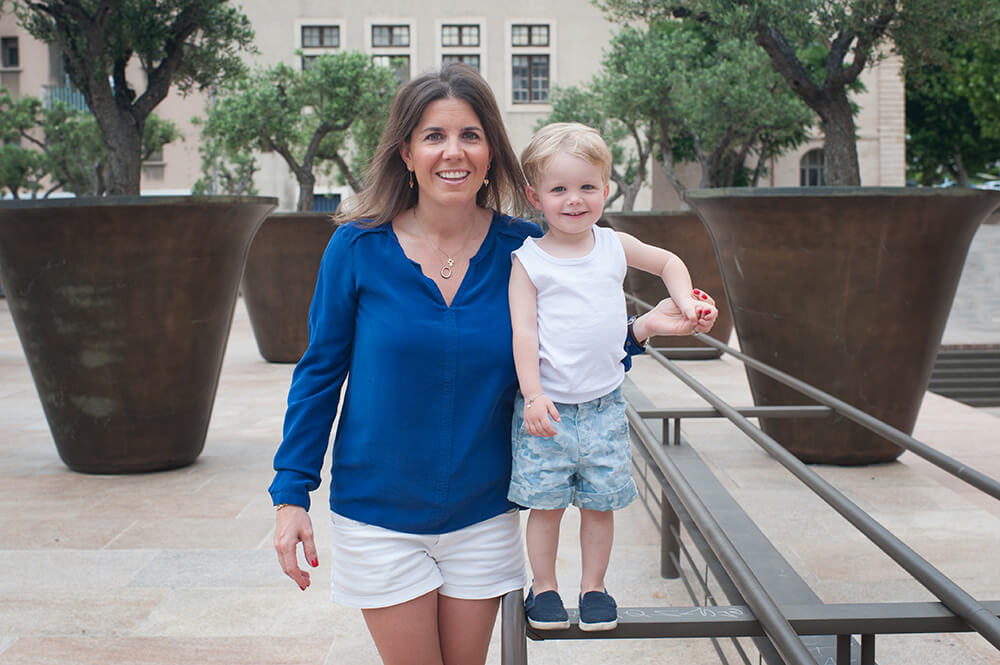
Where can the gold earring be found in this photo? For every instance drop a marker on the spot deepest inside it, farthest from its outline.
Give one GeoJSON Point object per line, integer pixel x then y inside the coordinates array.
{"type": "Point", "coordinates": [411, 179]}
{"type": "Point", "coordinates": [486, 182]}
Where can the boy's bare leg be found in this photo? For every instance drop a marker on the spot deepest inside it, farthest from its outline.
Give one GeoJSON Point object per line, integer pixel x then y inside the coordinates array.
{"type": "Point", "coordinates": [597, 533]}
{"type": "Point", "coordinates": [541, 537]}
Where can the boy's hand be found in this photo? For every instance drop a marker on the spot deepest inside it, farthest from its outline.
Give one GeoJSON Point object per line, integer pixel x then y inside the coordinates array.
{"type": "Point", "coordinates": [536, 416]}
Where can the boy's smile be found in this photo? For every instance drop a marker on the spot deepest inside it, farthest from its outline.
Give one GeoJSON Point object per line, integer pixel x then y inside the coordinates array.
{"type": "Point", "coordinates": [570, 194]}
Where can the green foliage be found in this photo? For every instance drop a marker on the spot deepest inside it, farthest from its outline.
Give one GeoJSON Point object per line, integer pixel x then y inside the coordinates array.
{"type": "Point", "coordinates": [224, 171]}
{"type": "Point", "coordinates": [948, 134]}
{"type": "Point", "coordinates": [20, 170]}
{"type": "Point", "coordinates": [327, 115]}
{"type": "Point", "coordinates": [979, 82]}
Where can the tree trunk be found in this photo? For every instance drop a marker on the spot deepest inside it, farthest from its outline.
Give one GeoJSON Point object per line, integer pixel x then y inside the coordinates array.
{"type": "Point", "coordinates": [307, 184]}
{"type": "Point", "coordinates": [840, 148]}
{"type": "Point", "coordinates": [961, 173]}
{"type": "Point", "coordinates": [122, 134]}
{"type": "Point", "coordinates": [628, 201]}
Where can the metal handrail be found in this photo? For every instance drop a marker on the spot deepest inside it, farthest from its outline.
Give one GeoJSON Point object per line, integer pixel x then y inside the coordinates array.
{"type": "Point", "coordinates": [958, 469]}
{"type": "Point", "coordinates": [766, 611]}
{"type": "Point", "coordinates": [966, 473]}
{"type": "Point", "coordinates": [953, 596]}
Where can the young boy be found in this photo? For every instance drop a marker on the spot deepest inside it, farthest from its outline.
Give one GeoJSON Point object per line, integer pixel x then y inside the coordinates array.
{"type": "Point", "coordinates": [569, 321]}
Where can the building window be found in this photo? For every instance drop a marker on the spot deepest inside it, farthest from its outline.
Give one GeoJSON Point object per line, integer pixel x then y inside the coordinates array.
{"type": "Point", "coordinates": [317, 37]}
{"type": "Point", "coordinates": [9, 54]}
{"type": "Point", "coordinates": [321, 36]}
{"type": "Point", "coordinates": [470, 60]}
{"type": "Point", "coordinates": [529, 35]}
{"type": "Point", "coordinates": [531, 79]}
{"type": "Point", "coordinates": [459, 35]}
{"type": "Point", "coordinates": [530, 45]}
{"type": "Point", "coordinates": [399, 64]}
{"type": "Point", "coordinates": [390, 35]}
{"type": "Point", "coordinates": [811, 169]}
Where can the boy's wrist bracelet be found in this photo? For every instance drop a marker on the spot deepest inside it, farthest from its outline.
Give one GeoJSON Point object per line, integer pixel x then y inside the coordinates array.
{"type": "Point", "coordinates": [531, 400]}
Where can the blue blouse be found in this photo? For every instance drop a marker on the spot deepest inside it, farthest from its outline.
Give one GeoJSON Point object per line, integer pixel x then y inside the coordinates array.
{"type": "Point", "coordinates": [423, 440]}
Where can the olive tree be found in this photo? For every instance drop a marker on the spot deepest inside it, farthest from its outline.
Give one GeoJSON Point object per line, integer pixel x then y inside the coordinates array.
{"type": "Point", "coordinates": [323, 116]}
{"type": "Point", "coordinates": [124, 56]}
{"type": "Point", "coordinates": [714, 101]}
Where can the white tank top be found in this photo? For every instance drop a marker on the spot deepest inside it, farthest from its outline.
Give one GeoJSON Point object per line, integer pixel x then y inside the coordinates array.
{"type": "Point", "coordinates": [581, 318]}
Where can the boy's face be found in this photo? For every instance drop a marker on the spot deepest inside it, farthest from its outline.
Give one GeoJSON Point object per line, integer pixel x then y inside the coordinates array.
{"type": "Point", "coordinates": [570, 193]}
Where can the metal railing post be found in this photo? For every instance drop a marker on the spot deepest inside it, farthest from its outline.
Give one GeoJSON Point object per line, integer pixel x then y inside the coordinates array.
{"type": "Point", "coordinates": [844, 649]}
{"type": "Point", "coordinates": [513, 629]}
{"type": "Point", "coordinates": [670, 546]}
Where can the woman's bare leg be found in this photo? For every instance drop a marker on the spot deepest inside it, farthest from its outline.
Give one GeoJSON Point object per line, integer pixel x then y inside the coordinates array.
{"type": "Point", "coordinates": [407, 634]}
{"type": "Point", "coordinates": [465, 627]}
{"type": "Point", "coordinates": [433, 630]}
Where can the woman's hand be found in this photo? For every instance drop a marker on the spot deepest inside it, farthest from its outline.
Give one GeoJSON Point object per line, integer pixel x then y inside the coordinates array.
{"type": "Point", "coordinates": [536, 416]}
{"type": "Point", "coordinates": [667, 319]}
{"type": "Point", "coordinates": [291, 527]}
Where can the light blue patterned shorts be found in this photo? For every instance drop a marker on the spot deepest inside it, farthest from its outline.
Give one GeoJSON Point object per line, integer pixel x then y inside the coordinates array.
{"type": "Point", "coordinates": [588, 463]}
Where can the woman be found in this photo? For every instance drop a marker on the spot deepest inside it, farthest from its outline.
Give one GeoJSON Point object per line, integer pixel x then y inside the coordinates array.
{"type": "Point", "coordinates": [412, 302]}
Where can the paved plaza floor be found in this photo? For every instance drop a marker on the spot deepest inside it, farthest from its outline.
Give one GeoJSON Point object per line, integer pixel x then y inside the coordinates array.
{"type": "Point", "coordinates": [177, 567]}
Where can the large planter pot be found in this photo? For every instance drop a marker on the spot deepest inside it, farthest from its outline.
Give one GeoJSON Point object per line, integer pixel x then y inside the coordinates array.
{"type": "Point", "coordinates": [684, 234]}
{"type": "Point", "coordinates": [123, 307]}
{"type": "Point", "coordinates": [280, 278]}
{"type": "Point", "coordinates": [848, 289]}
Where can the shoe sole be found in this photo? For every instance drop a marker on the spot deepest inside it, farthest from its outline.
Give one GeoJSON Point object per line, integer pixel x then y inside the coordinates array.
{"type": "Point", "coordinates": [603, 625]}
{"type": "Point", "coordinates": [548, 625]}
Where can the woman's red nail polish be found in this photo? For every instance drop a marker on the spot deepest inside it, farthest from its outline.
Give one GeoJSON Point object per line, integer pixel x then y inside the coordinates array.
{"type": "Point", "coordinates": [704, 296]}
{"type": "Point", "coordinates": [315, 563]}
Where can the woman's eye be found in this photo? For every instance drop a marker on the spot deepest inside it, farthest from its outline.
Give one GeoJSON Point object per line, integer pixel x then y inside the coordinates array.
{"type": "Point", "coordinates": [471, 136]}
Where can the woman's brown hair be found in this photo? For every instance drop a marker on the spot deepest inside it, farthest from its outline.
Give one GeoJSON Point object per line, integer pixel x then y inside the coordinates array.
{"type": "Point", "coordinates": [387, 190]}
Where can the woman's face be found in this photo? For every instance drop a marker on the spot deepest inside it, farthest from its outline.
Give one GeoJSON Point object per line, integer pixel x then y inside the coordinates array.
{"type": "Point", "coordinates": [448, 152]}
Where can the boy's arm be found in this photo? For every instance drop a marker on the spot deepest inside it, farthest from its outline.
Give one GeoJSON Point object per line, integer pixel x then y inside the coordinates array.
{"type": "Point", "coordinates": [524, 325]}
{"type": "Point", "coordinates": [668, 266]}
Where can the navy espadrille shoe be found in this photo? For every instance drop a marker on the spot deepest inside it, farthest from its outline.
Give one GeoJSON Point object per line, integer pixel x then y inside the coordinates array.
{"type": "Point", "coordinates": [545, 611]}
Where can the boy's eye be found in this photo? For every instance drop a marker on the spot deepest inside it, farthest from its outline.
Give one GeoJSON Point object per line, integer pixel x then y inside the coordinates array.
{"type": "Point", "coordinates": [558, 188]}
{"type": "Point", "coordinates": [588, 186]}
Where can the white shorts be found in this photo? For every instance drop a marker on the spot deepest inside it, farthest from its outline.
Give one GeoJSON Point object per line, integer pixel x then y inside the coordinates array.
{"type": "Point", "coordinates": [375, 567]}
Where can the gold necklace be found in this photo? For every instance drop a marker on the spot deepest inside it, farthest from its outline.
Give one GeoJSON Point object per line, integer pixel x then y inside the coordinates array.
{"type": "Point", "coordinates": [449, 264]}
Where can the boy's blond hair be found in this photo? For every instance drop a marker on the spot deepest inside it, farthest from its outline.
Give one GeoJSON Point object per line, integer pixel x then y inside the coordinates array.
{"type": "Point", "coordinates": [570, 137]}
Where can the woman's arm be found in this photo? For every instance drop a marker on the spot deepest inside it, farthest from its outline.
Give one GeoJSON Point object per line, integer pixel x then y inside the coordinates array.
{"type": "Point", "coordinates": [313, 400]}
{"type": "Point", "coordinates": [524, 324]}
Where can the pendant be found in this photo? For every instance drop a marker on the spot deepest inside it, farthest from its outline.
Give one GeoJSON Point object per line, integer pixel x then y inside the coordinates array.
{"type": "Point", "coordinates": [446, 268]}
